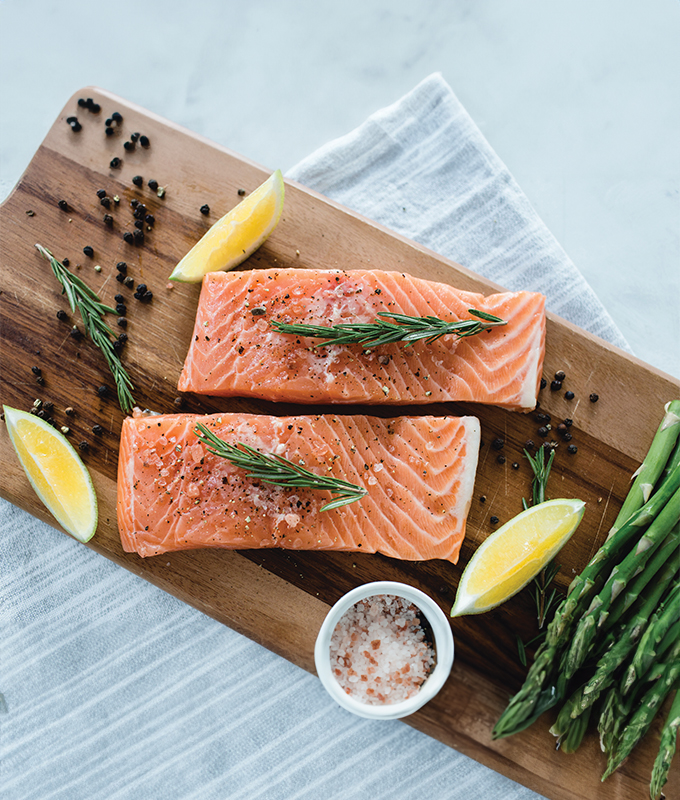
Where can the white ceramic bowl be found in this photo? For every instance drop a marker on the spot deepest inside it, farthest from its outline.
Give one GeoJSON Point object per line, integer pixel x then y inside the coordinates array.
{"type": "Point", "coordinates": [443, 641]}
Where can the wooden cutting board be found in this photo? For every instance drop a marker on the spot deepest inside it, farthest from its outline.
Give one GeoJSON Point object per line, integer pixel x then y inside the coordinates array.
{"type": "Point", "coordinates": [279, 598]}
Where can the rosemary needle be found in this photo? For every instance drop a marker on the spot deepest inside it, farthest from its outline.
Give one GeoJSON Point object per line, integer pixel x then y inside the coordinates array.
{"type": "Point", "coordinates": [403, 328]}
{"type": "Point", "coordinates": [92, 311]}
{"type": "Point", "coordinates": [271, 468]}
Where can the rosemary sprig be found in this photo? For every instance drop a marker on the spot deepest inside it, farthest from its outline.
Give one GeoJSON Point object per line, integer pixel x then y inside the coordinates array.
{"type": "Point", "coordinates": [541, 464]}
{"type": "Point", "coordinates": [403, 329]}
{"type": "Point", "coordinates": [271, 468]}
{"type": "Point", "coordinates": [92, 311]}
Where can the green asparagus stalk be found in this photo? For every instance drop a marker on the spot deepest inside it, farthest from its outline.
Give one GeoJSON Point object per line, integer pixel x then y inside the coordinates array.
{"type": "Point", "coordinates": [636, 560]}
{"type": "Point", "coordinates": [661, 621]}
{"type": "Point", "coordinates": [643, 716]}
{"type": "Point", "coordinates": [665, 556]}
{"type": "Point", "coordinates": [646, 477]}
{"type": "Point", "coordinates": [667, 747]}
{"type": "Point", "coordinates": [540, 689]}
{"type": "Point", "coordinates": [606, 669]}
{"type": "Point", "coordinates": [590, 579]}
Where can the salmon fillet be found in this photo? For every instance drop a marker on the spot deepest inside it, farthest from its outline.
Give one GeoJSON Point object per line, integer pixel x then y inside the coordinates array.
{"type": "Point", "coordinates": [173, 494]}
{"type": "Point", "coordinates": [235, 352]}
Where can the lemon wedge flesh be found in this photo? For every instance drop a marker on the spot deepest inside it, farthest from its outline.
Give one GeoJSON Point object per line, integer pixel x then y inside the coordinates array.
{"type": "Point", "coordinates": [237, 235]}
{"type": "Point", "coordinates": [55, 471]}
{"type": "Point", "coordinates": [505, 562]}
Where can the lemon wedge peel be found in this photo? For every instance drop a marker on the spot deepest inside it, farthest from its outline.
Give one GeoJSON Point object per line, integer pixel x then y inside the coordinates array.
{"type": "Point", "coordinates": [514, 554]}
{"type": "Point", "coordinates": [236, 236]}
{"type": "Point", "coordinates": [55, 471]}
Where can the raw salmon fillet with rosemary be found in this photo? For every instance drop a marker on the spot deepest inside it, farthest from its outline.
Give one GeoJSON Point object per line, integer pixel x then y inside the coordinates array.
{"type": "Point", "coordinates": [235, 351]}
{"type": "Point", "coordinates": [419, 472]}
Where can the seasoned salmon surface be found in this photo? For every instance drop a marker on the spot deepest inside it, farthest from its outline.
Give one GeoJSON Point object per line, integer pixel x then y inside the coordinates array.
{"type": "Point", "coordinates": [173, 494]}
{"type": "Point", "coordinates": [235, 351]}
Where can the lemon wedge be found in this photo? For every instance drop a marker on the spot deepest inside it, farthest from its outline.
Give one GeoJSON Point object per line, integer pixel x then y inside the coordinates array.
{"type": "Point", "coordinates": [55, 471]}
{"type": "Point", "coordinates": [237, 235]}
{"type": "Point", "coordinates": [505, 562]}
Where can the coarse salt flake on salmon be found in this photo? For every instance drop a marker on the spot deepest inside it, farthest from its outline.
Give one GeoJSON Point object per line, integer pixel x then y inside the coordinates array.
{"type": "Point", "coordinates": [419, 472]}
{"type": "Point", "coordinates": [235, 351]}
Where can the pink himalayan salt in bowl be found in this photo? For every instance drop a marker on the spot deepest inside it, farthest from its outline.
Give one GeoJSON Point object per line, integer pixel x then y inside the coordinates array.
{"type": "Point", "coordinates": [412, 660]}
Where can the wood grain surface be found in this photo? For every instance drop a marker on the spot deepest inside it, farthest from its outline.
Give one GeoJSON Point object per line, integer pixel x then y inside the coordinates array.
{"type": "Point", "coordinates": [279, 598]}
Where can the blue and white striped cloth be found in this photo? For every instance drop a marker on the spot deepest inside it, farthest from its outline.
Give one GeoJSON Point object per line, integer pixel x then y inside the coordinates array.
{"type": "Point", "coordinates": [113, 689]}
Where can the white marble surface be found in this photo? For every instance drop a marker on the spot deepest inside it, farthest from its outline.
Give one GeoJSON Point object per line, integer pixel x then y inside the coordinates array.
{"type": "Point", "coordinates": [579, 99]}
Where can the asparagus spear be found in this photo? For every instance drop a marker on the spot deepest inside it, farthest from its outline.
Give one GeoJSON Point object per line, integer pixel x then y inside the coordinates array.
{"type": "Point", "coordinates": [605, 671]}
{"type": "Point", "coordinates": [542, 688]}
{"type": "Point", "coordinates": [665, 619]}
{"type": "Point", "coordinates": [643, 716]}
{"type": "Point", "coordinates": [636, 560]}
{"type": "Point", "coordinates": [587, 582]}
{"type": "Point", "coordinates": [646, 477]}
{"type": "Point", "coordinates": [667, 747]}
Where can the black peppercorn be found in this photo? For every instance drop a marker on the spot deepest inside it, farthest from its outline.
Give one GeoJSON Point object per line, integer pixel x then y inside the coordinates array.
{"type": "Point", "coordinates": [82, 103]}
{"type": "Point", "coordinates": [139, 224]}
{"type": "Point", "coordinates": [141, 288]}
{"type": "Point", "coordinates": [568, 422]}
{"type": "Point", "coordinates": [117, 116]}
{"type": "Point", "coordinates": [129, 146]}
{"type": "Point", "coordinates": [529, 445]}
{"type": "Point", "coordinates": [108, 220]}
{"type": "Point", "coordinates": [493, 520]}
{"type": "Point", "coordinates": [36, 370]}
{"type": "Point", "coordinates": [129, 282]}
{"type": "Point", "coordinates": [76, 127]}
{"type": "Point", "coordinates": [241, 192]}
{"type": "Point", "coordinates": [144, 141]}
{"type": "Point", "coordinates": [147, 297]}
{"type": "Point", "coordinates": [572, 449]}
{"type": "Point", "coordinates": [562, 427]}
{"type": "Point", "coordinates": [128, 237]}
{"type": "Point", "coordinates": [150, 219]}
{"type": "Point", "coordinates": [134, 202]}
{"type": "Point", "coordinates": [95, 108]}
{"type": "Point", "coordinates": [594, 398]}
{"type": "Point", "coordinates": [568, 395]}
{"type": "Point", "coordinates": [153, 185]}
{"type": "Point", "coordinates": [121, 266]}
{"type": "Point", "coordinates": [544, 383]}
{"type": "Point", "coordinates": [139, 212]}
{"type": "Point", "coordinates": [134, 137]}
{"type": "Point", "coordinates": [63, 205]}
{"type": "Point", "coordinates": [205, 209]}
{"type": "Point", "coordinates": [109, 131]}
{"type": "Point", "coordinates": [117, 347]}
{"type": "Point", "coordinates": [541, 417]}
{"type": "Point", "coordinates": [122, 337]}
{"type": "Point", "coordinates": [75, 333]}
{"type": "Point", "coordinates": [122, 322]}
{"type": "Point", "coordinates": [65, 262]}
{"type": "Point", "coordinates": [102, 391]}
{"type": "Point", "coordinates": [115, 163]}
{"type": "Point", "coordinates": [138, 180]}
{"type": "Point", "coordinates": [106, 202]}
{"type": "Point", "coordinates": [501, 459]}
{"type": "Point", "coordinates": [83, 446]}
{"type": "Point", "coordinates": [258, 312]}
{"type": "Point", "coordinates": [139, 237]}
{"type": "Point", "coordinates": [119, 298]}
{"type": "Point", "coordinates": [97, 430]}
{"type": "Point", "coordinates": [515, 465]}
{"type": "Point", "coordinates": [498, 444]}
{"type": "Point", "coordinates": [101, 193]}
{"type": "Point", "coordinates": [40, 413]}
{"type": "Point", "coordinates": [121, 310]}
{"type": "Point", "coordinates": [482, 499]}
{"type": "Point", "coordinates": [71, 120]}
{"type": "Point", "coordinates": [560, 375]}
{"type": "Point", "coordinates": [48, 406]}
{"type": "Point", "coordinates": [109, 121]}
{"type": "Point", "coordinates": [40, 380]}
{"type": "Point", "coordinates": [62, 315]}
{"type": "Point", "coordinates": [543, 431]}
{"type": "Point", "coordinates": [567, 437]}
{"type": "Point", "coordinates": [88, 251]}
{"type": "Point", "coordinates": [120, 277]}
{"type": "Point", "coordinates": [555, 386]}
{"type": "Point", "coordinates": [178, 401]}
